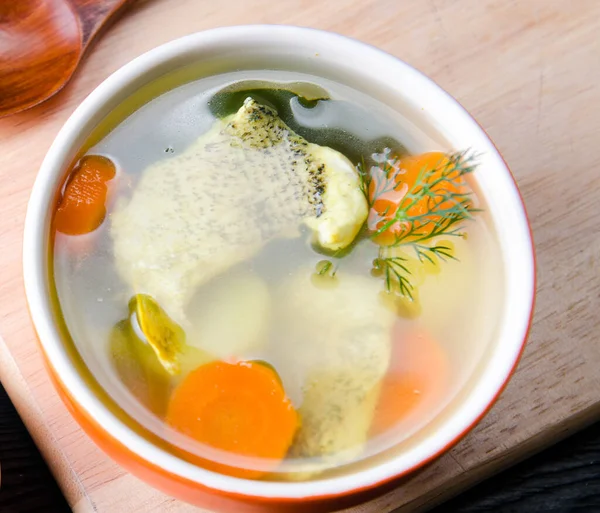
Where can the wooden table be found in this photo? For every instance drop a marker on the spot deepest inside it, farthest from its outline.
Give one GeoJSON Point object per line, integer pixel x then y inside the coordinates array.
{"type": "Point", "coordinates": [528, 71]}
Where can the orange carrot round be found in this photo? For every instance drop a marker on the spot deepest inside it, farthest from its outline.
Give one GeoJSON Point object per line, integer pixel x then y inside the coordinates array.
{"type": "Point", "coordinates": [236, 407]}
{"type": "Point", "coordinates": [416, 379]}
{"type": "Point", "coordinates": [406, 172]}
{"type": "Point", "coordinates": [82, 208]}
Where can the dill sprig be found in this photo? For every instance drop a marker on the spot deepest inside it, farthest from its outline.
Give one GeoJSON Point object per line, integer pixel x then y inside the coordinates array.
{"type": "Point", "coordinates": [395, 273]}
{"type": "Point", "coordinates": [433, 254]}
{"type": "Point", "coordinates": [435, 205]}
{"type": "Point", "coordinates": [326, 268]}
{"type": "Point", "coordinates": [447, 202]}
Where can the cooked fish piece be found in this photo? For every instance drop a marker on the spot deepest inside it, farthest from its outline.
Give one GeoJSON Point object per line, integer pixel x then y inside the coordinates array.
{"type": "Point", "coordinates": [246, 181]}
{"type": "Point", "coordinates": [230, 315]}
{"type": "Point", "coordinates": [338, 349]}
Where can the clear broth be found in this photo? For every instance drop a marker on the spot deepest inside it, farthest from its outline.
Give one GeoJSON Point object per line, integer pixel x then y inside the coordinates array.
{"type": "Point", "coordinates": [459, 305]}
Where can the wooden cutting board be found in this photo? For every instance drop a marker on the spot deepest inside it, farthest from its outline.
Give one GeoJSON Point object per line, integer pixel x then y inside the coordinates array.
{"type": "Point", "coordinates": [529, 73]}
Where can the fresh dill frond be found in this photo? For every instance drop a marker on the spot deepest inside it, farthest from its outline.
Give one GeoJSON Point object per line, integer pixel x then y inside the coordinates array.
{"type": "Point", "coordinates": [431, 253]}
{"type": "Point", "coordinates": [324, 274]}
{"type": "Point", "coordinates": [434, 205]}
{"type": "Point", "coordinates": [395, 268]}
{"type": "Point", "coordinates": [326, 268]}
{"type": "Point", "coordinates": [395, 273]}
{"type": "Point", "coordinates": [415, 214]}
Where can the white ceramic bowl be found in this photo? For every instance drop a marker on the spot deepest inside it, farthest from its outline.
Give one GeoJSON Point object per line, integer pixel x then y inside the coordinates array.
{"type": "Point", "coordinates": [362, 67]}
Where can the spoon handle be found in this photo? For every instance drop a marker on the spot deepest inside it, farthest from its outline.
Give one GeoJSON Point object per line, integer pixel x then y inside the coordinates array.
{"type": "Point", "coordinates": [93, 15]}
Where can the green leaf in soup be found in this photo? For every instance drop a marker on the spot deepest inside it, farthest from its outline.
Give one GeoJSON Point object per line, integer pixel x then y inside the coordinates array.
{"type": "Point", "coordinates": [163, 335]}
{"type": "Point", "coordinates": [139, 369]}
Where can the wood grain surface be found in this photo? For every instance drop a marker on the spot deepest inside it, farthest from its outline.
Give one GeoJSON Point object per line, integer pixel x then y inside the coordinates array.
{"type": "Point", "coordinates": [528, 71]}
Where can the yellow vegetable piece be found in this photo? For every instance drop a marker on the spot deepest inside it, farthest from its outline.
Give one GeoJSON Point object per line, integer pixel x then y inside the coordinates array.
{"type": "Point", "coordinates": [139, 369]}
{"type": "Point", "coordinates": [165, 336]}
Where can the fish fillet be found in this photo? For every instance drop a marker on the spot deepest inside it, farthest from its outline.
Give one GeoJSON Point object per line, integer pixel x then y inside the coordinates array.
{"type": "Point", "coordinates": [339, 358]}
{"type": "Point", "coordinates": [248, 180]}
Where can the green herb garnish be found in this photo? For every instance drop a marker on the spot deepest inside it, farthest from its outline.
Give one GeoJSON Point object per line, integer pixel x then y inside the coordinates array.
{"type": "Point", "coordinates": [413, 202]}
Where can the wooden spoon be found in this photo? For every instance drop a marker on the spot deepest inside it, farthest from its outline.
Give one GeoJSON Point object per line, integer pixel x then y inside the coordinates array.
{"type": "Point", "coordinates": [41, 44]}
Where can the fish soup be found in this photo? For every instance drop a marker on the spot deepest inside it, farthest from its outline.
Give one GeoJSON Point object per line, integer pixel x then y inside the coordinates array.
{"type": "Point", "coordinates": [274, 275]}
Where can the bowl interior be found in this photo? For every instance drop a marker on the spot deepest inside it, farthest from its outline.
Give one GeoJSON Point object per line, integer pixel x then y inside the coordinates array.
{"type": "Point", "coordinates": [367, 70]}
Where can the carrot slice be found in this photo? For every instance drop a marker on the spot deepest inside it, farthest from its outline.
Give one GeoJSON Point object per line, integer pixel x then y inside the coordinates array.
{"type": "Point", "coordinates": [416, 379]}
{"type": "Point", "coordinates": [405, 174]}
{"type": "Point", "coordinates": [82, 208]}
{"type": "Point", "coordinates": [241, 408]}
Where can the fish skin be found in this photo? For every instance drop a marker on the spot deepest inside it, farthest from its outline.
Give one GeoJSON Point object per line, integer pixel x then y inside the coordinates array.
{"type": "Point", "coordinates": [246, 181]}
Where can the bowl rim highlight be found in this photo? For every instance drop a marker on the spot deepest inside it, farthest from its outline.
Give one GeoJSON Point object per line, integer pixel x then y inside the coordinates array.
{"type": "Point", "coordinates": [518, 256]}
